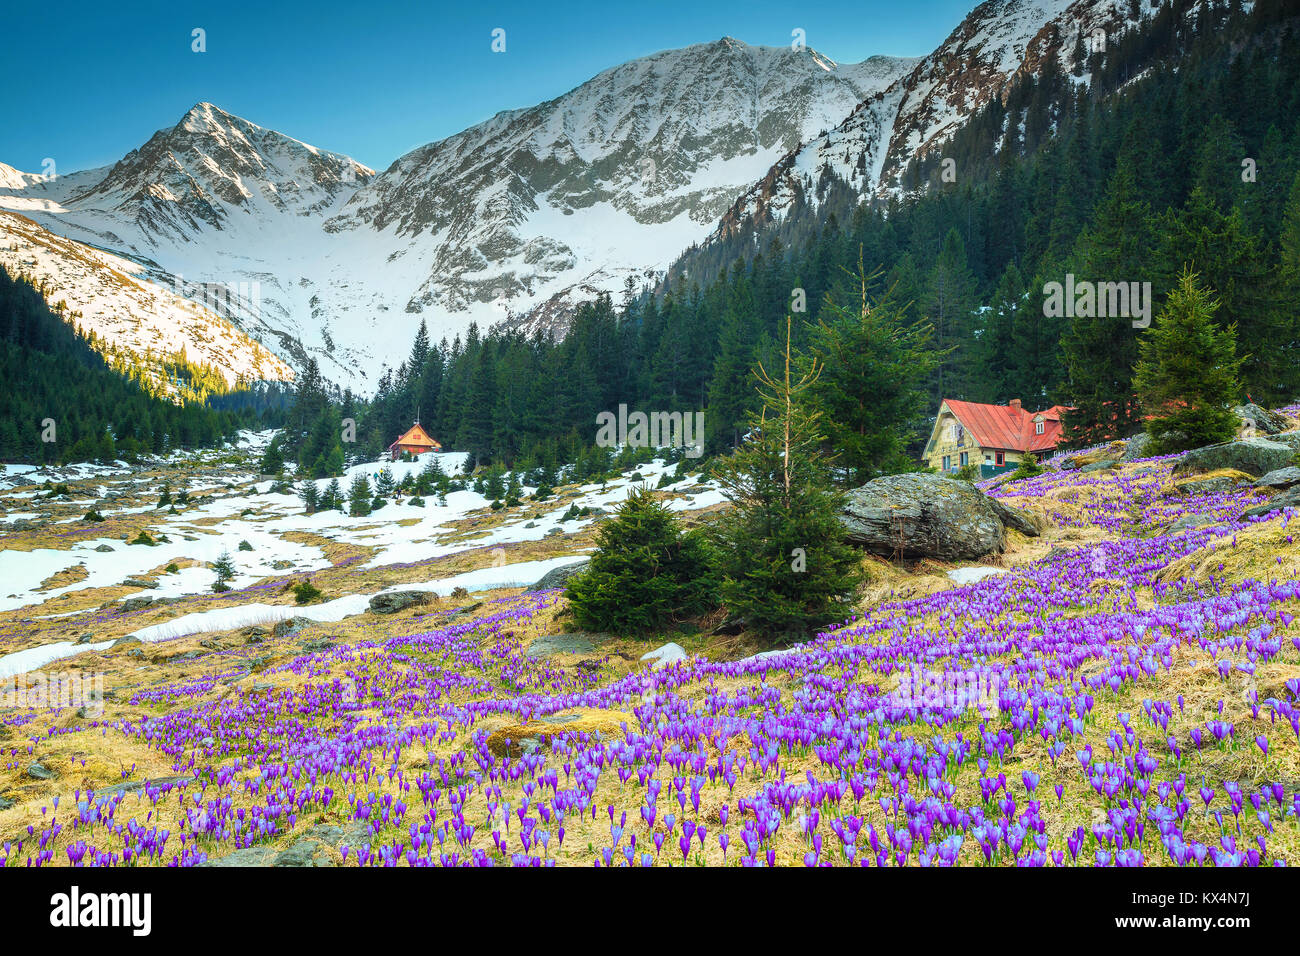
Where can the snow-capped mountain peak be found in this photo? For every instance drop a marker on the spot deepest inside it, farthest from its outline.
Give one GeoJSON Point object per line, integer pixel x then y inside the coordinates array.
{"type": "Point", "coordinates": [519, 217]}
{"type": "Point", "coordinates": [212, 163]}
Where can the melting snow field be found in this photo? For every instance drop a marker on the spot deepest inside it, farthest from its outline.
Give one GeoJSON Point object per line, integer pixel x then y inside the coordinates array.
{"type": "Point", "coordinates": [971, 575]}
{"type": "Point", "coordinates": [253, 515]}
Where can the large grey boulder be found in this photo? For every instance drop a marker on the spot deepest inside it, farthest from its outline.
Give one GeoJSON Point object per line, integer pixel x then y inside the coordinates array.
{"type": "Point", "coordinates": [1205, 487]}
{"type": "Point", "coordinates": [559, 577]}
{"type": "Point", "coordinates": [1026, 522]}
{"type": "Point", "coordinates": [1254, 456]}
{"type": "Point", "coordinates": [1281, 479]}
{"type": "Point", "coordinates": [1270, 423]}
{"type": "Point", "coordinates": [923, 515]}
{"type": "Point", "coordinates": [393, 601]}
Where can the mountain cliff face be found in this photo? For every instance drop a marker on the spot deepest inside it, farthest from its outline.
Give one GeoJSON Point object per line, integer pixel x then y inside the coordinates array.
{"type": "Point", "coordinates": [870, 148]}
{"type": "Point", "coordinates": [209, 168]}
{"type": "Point", "coordinates": [213, 209]}
{"type": "Point", "coordinates": [605, 183]}
{"type": "Point", "coordinates": [147, 321]}
{"type": "Point", "coordinates": [526, 213]}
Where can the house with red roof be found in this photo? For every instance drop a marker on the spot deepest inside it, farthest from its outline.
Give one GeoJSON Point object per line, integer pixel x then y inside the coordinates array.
{"type": "Point", "coordinates": [415, 442]}
{"type": "Point", "coordinates": [993, 437]}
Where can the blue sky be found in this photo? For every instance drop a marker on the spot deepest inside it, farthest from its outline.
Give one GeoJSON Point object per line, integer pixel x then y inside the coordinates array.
{"type": "Point", "coordinates": [89, 82]}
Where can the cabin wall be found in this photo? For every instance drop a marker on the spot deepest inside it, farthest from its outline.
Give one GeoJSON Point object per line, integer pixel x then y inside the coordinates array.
{"type": "Point", "coordinates": [942, 445]}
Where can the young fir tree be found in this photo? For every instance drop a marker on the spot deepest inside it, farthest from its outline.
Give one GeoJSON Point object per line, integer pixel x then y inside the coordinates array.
{"type": "Point", "coordinates": [1187, 377]}
{"type": "Point", "coordinates": [645, 572]}
{"type": "Point", "coordinates": [359, 497]}
{"type": "Point", "coordinates": [873, 363]}
{"type": "Point", "coordinates": [784, 564]}
{"type": "Point", "coordinates": [514, 490]}
{"type": "Point", "coordinates": [225, 570]}
{"type": "Point", "coordinates": [272, 459]}
{"type": "Point", "coordinates": [332, 496]}
{"type": "Point", "coordinates": [310, 495]}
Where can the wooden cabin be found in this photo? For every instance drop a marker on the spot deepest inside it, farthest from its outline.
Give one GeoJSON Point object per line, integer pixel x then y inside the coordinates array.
{"type": "Point", "coordinates": [993, 437]}
{"type": "Point", "coordinates": [416, 442]}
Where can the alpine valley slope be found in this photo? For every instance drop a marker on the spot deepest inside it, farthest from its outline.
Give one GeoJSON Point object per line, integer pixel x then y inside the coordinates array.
{"type": "Point", "coordinates": [533, 208]}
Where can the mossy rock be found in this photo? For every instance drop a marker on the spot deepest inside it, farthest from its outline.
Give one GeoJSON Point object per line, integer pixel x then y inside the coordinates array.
{"type": "Point", "coordinates": [1254, 456]}
{"type": "Point", "coordinates": [1218, 482]}
{"type": "Point", "coordinates": [536, 735]}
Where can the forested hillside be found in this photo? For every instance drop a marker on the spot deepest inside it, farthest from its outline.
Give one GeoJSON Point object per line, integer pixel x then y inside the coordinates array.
{"type": "Point", "coordinates": [57, 386]}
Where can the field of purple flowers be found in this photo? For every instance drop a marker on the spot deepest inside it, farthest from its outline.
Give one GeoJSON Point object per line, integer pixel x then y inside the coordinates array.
{"type": "Point", "coordinates": [1132, 698]}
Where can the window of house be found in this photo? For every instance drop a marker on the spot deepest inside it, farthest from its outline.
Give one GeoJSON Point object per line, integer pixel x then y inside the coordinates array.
{"type": "Point", "coordinates": [1038, 428]}
{"type": "Point", "coordinates": [1000, 459]}
{"type": "Point", "coordinates": [965, 458]}
{"type": "Point", "coordinates": [947, 462]}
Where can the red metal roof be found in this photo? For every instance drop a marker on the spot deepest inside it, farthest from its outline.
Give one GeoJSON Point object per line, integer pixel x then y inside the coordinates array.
{"type": "Point", "coordinates": [1008, 427]}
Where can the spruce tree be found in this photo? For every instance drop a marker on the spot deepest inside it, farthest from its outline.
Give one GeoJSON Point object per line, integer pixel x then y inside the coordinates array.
{"type": "Point", "coordinates": [729, 399]}
{"type": "Point", "coordinates": [784, 564]}
{"type": "Point", "coordinates": [310, 495]}
{"type": "Point", "coordinates": [359, 496]}
{"type": "Point", "coordinates": [332, 496]}
{"type": "Point", "coordinates": [1234, 265]}
{"type": "Point", "coordinates": [272, 459]}
{"type": "Point", "coordinates": [1187, 375]}
{"type": "Point", "coordinates": [1289, 289]}
{"type": "Point", "coordinates": [995, 351]}
{"type": "Point", "coordinates": [873, 361]}
{"type": "Point", "coordinates": [1100, 350]}
{"type": "Point", "coordinates": [645, 573]}
{"type": "Point", "coordinates": [225, 571]}
{"type": "Point", "coordinates": [950, 302]}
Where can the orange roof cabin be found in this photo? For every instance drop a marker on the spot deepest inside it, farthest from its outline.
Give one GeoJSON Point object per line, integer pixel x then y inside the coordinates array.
{"type": "Point", "coordinates": [994, 437]}
{"type": "Point", "coordinates": [416, 442]}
